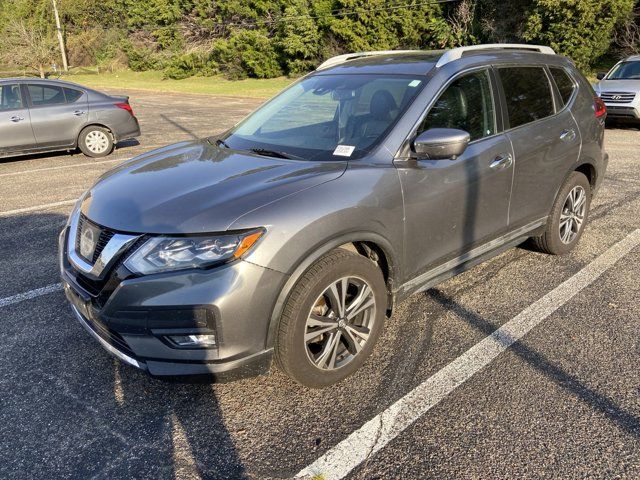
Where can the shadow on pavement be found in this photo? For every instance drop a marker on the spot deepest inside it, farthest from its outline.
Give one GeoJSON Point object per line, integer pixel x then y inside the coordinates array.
{"type": "Point", "coordinates": [607, 407]}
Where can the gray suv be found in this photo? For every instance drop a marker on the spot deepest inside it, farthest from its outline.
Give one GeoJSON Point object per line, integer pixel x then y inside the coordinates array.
{"type": "Point", "coordinates": [39, 116]}
{"type": "Point", "coordinates": [294, 234]}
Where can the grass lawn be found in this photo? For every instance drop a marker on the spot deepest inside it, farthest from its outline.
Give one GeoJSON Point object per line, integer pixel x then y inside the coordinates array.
{"type": "Point", "coordinates": [153, 81]}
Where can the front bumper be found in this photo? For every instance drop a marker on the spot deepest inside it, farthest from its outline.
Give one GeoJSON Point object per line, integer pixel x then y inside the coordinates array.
{"type": "Point", "coordinates": [622, 112]}
{"type": "Point", "coordinates": [131, 316]}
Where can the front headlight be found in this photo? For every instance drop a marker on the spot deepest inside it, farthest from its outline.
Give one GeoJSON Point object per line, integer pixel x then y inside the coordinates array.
{"type": "Point", "coordinates": [163, 254]}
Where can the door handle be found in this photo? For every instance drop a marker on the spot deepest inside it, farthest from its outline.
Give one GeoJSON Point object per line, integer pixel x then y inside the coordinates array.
{"type": "Point", "coordinates": [78, 113]}
{"type": "Point", "coordinates": [501, 161]}
{"type": "Point", "coordinates": [568, 135]}
{"type": "Point", "coordinates": [16, 119]}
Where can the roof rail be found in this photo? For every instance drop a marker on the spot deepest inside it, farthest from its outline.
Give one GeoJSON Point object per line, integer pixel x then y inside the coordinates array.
{"type": "Point", "coordinates": [456, 53]}
{"type": "Point", "coordinates": [337, 60]}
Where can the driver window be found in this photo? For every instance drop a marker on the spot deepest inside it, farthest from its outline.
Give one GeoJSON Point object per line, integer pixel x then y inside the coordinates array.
{"type": "Point", "coordinates": [466, 104]}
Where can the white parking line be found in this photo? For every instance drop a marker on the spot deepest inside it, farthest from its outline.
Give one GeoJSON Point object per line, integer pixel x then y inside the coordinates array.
{"type": "Point", "coordinates": [38, 292]}
{"type": "Point", "coordinates": [18, 211]}
{"type": "Point", "coordinates": [44, 169]}
{"type": "Point", "coordinates": [384, 427]}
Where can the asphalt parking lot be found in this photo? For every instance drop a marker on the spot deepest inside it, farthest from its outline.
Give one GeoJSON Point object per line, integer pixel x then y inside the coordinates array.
{"type": "Point", "coordinates": [555, 393]}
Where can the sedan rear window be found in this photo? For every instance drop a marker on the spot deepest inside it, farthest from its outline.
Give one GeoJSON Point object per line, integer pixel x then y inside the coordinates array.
{"type": "Point", "coordinates": [10, 98]}
{"type": "Point", "coordinates": [72, 94]}
{"type": "Point", "coordinates": [45, 95]}
{"type": "Point", "coordinates": [528, 94]}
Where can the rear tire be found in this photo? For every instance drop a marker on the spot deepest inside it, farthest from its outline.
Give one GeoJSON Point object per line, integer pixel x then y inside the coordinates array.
{"type": "Point", "coordinates": [95, 142]}
{"type": "Point", "coordinates": [331, 320]}
{"type": "Point", "coordinates": [568, 216]}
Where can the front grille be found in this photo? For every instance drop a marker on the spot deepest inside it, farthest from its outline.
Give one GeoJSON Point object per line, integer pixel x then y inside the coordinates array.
{"type": "Point", "coordinates": [103, 238]}
{"type": "Point", "coordinates": [618, 97]}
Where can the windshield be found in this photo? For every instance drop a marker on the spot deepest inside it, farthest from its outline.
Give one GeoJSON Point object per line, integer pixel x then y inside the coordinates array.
{"type": "Point", "coordinates": [327, 116]}
{"type": "Point", "coordinates": [625, 71]}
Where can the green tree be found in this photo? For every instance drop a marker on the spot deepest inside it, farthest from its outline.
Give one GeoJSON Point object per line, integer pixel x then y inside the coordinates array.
{"type": "Point", "coordinates": [580, 29]}
{"type": "Point", "coordinates": [298, 38]}
{"type": "Point", "coordinates": [383, 25]}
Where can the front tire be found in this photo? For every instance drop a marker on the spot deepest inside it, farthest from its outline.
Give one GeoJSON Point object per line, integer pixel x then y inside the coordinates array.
{"type": "Point", "coordinates": [331, 320]}
{"type": "Point", "coordinates": [95, 141]}
{"type": "Point", "coordinates": [568, 216]}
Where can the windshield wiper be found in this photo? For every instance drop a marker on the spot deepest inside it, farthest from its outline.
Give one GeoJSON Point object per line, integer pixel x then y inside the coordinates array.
{"type": "Point", "coordinates": [274, 153]}
{"type": "Point", "coordinates": [222, 143]}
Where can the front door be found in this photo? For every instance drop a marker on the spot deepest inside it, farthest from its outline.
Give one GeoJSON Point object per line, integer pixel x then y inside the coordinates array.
{"type": "Point", "coordinates": [56, 122]}
{"type": "Point", "coordinates": [15, 124]}
{"type": "Point", "coordinates": [453, 205]}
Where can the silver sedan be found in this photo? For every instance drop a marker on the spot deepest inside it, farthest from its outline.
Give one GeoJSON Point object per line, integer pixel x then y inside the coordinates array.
{"type": "Point", "coordinates": [50, 115]}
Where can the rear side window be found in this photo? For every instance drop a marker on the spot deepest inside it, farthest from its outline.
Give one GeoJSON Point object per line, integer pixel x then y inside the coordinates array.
{"type": "Point", "coordinates": [528, 94]}
{"type": "Point", "coordinates": [72, 94]}
{"type": "Point", "coordinates": [564, 83]}
{"type": "Point", "coordinates": [10, 98]}
{"type": "Point", "coordinates": [42, 95]}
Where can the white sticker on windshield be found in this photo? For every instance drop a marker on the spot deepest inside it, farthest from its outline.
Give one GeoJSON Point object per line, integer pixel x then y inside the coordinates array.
{"type": "Point", "coordinates": [344, 150]}
{"type": "Point", "coordinates": [415, 83]}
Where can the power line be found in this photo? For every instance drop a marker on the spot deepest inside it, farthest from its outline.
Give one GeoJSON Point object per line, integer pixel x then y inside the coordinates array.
{"type": "Point", "coordinates": [339, 13]}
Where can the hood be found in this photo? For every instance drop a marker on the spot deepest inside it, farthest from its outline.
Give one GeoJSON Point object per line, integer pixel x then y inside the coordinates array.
{"type": "Point", "coordinates": [617, 86]}
{"type": "Point", "coordinates": [195, 187]}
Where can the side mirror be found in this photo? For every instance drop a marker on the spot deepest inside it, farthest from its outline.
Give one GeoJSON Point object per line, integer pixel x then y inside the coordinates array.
{"type": "Point", "coordinates": [441, 144]}
{"type": "Point", "coordinates": [600, 75]}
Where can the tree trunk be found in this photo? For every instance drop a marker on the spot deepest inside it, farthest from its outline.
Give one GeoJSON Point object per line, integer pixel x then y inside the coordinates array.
{"type": "Point", "coordinates": [41, 70]}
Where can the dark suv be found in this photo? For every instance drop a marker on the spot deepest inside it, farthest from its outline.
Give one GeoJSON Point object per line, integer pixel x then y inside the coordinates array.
{"type": "Point", "coordinates": [294, 234]}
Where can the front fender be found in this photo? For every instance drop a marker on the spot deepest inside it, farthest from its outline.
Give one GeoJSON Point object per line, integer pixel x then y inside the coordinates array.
{"type": "Point", "coordinates": [364, 204]}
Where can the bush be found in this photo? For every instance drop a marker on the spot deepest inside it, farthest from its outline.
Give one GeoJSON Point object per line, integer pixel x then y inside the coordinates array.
{"type": "Point", "coordinates": [141, 57]}
{"type": "Point", "coordinates": [247, 53]}
{"type": "Point", "coordinates": [190, 64]}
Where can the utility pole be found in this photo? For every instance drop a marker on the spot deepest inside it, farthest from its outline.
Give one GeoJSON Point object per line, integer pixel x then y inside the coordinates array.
{"type": "Point", "coordinates": [63, 51]}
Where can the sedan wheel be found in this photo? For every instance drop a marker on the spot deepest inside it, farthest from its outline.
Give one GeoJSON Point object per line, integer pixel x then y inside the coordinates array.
{"type": "Point", "coordinates": [95, 141]}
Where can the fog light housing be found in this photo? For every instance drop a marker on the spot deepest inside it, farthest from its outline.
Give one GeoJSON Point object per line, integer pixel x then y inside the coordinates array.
{"type": "Point", "coordinates": [193, 340]}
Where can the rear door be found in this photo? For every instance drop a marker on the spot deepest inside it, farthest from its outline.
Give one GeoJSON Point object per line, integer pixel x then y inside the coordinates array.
{"type": "Point", "coordinates": [15, 124]}
{"type": "Point", "coordinates": [545, 138]}
{"type": "Point", "coordinates": [453, 205]}
{"type": "Point", "coordinates": [57, 113]}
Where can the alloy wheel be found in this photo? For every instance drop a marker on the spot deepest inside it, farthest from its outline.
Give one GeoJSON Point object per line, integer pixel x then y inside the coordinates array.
{"type": "Point", "coordinates": [572, 216]}
{"type": "Point", "coordinates": [339, 323]}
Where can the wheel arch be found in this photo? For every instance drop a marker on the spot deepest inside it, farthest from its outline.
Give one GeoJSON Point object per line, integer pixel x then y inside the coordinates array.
{"type": "Point", "coordinates": [589, 171]}
{"type": "Point", "coordinates": [370, 245]}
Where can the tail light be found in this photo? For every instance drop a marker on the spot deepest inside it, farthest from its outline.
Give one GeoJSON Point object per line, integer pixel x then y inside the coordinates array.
{"type": "Point", "coordinates": [125, 106]}
{"type": "Point", "coordinates": [600, 107]}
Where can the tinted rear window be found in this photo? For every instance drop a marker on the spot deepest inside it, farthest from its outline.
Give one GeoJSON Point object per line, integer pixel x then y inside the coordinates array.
{"type": "Point", "coordinates": [45, 95]}
{"type": "Point", "coordinates": [528, 94]}
{"type": "Point", "coordinates": [72, 94]}
{"type": "Point", "coordinates": [564, 83]}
